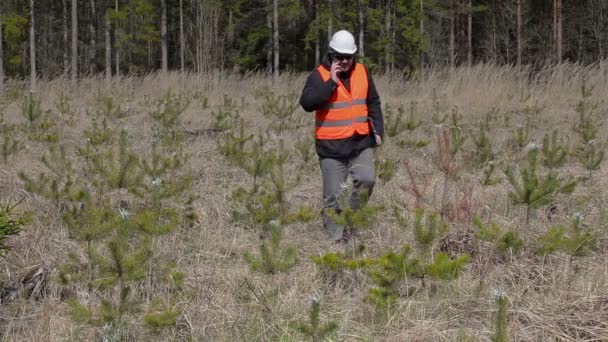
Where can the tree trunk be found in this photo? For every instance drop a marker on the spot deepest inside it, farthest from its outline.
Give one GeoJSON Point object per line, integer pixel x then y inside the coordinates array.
{"type": "Point", "coordinates": [318, 35]}
{"type": "Point", "coordinates": [66, 60]}
{"type": "Point", "coordinates": [330, 28]}
{"type": "Point", "coordinates": [275, 40]}
{"type": "Point", "coordinates": [93, 29]}
{"type": "Point", "coordinates": [182, 42]}
{"type": "Point", "coordinates": [519, 25]}
{"type": "Point", "coordinates": [559, 30]}
{"type": "Point", "coordinates": [269, 46]}
{"type": "Point", "coordinates": [422, 31]}
{"type": "Point", "coordinates": [199, 39]}
{"type": "Point", "coordinates": [108, 28]}
{"type": "Point", "coordinates": [361, 31]}
{"type": "Point", "coordinates": [32, 48]}
{"type": "Point", "coordinates": [1, 57]}
{"type": "Point", "coordinates": [470, 34]}
{"type": "Point", "coordinates": [451, 44]}
{"type": "Point", "coordinates": [163, 36]}
{"type": "Point", "coordinates": [387, 45]}
{"type": "Point", "coordinates": [74, 67]}
{"type": "Point", "coordinates": [117, 38]}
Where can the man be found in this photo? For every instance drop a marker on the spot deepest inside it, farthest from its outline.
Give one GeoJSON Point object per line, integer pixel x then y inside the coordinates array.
{"type": "Point", "coordinates": [349, 124]}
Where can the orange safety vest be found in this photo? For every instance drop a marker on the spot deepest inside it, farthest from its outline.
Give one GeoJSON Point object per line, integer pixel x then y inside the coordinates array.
{"type": "Point", "coordinates": [346, 112]}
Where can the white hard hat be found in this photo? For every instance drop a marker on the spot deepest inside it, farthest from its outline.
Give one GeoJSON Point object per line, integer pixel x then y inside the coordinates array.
{"type": "Point", "coordinates": [343, 42]}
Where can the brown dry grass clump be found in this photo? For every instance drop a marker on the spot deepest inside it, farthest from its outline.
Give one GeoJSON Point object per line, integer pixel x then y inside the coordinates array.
{"type": "Point", "coordinates": [552, 298]}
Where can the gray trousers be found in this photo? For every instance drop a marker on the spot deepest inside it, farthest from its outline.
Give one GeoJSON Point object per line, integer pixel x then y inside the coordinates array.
{"type": "Point", "coordinates": [334, 173]}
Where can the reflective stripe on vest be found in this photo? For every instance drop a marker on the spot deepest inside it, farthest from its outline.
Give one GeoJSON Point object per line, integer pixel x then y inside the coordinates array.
{"type": "Point", "coordinates": [345, 114]}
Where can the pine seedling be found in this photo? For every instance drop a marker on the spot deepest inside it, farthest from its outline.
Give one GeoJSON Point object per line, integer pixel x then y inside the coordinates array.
{"type": "Point", "coordinates": [11, 223]}
{"type": "Point", "coordinates": [234, 145]}
{"type": "Point", "coordinates": [587, 125]}
{"type": "Point", "coordinates": [436, 117]}
{"type": "Point", "coordinates": [504, 240]}
{"type": "Point", "coordinates": [277, 177]}
{"type": "Point", "coordinates": [427, 229]}
{"type": "Point", "coordinates": [401, 219]}
{"type": "Point", "coordinates": [575, 240]}
{"type": "Point", "coordinates": [483, 154]}
{"type": "Point", "coordinates": [412, 123]}
{"type": "Point", "coordinates": [534, 190]}
{"type": "Point", "coordinates": [280, 109]}
{"type": "Point", "coordinates": [259, 161]}
{"type": "Point", "coordinates": [385, 169]}
{"type": "Point", "coordinates": [121, 171]}
{"type": "Point", "coordinates": [31, 110]}
{"type": "Point", "coordinates": [443, 268]}
{"type": "Point", "coordinates": [314, 330]}
{"type": "Point", "coordinates": [357, 218]}
{"type": "Point", "coordinates": [488, 174]}
{"type": "Point", "coordinates": [161, 316]}
{"type": "Point", "coordinates": [163, 177]}
{"type": "Point", "coordinates": [522, 136]}
{"type": "Point", "coordinates": [58, 184]}
{"type": "Point", "coordinates": [338, 262]}
{"type": "Point", "coordinates": [393, 122]}
{"type": "Point", "coordinates": [89, 225]}
{"type": "Point", "coordinates": [38, 121]}
{"type": "Point", "coordinates": [226, 116]}
{"type": "Point", "coordinates": [444, 158]}
{"type": "Point", "coordinates": [273, 258]}
{"type": "Point", "coordinates": [260, 204]}
{"type": "Point", "coordinates": [387, 272]}
{"type": "Point", "coordinates": [108, 108]}
{"type": "Point", "coordinates": [457, 138]}
{"type": "Point", "coordinates": [553, 153]}
{"type": "Point", "coordinates": [304, 148]}
{"type": "Point", "coordinates": [65, 109]}
{"type": "Point", "coordinates": [9, 146]}
{"type": "Point", "coordinates": [590, 156]}
{"type": "Point", "coordinates": [166, 119]}
{"type": "Point", "coordinates": [501, 333]}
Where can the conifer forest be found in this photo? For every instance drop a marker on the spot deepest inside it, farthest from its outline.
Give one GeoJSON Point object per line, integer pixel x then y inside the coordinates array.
{"type": "Point", "coordinates": [159, 180]}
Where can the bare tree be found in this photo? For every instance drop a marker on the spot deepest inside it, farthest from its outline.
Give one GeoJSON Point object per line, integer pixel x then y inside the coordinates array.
{"type": "Point", "coordinates": [361, 31]}
{"type": "Point", "coordinates": [163, 36]}
{"type": "Point", "coordinates": [330, 28]}
{"type": "Point", "coordinates": [117, 38]}
{"type": "Point", "coordinates": [519, 25]}
{"type": "Point", "coordinates": [108, 28]}
{"type": "Point", "coordinates": [317, 35]}
{"type": "Point", "coordinates": [182, 43]}
{"type": "Point", "coordinates": [275, 39]}
{"type": "Point", "coordinates": [32, 48]}
{"type": "Point", "coordinates": [66, 60]}
{"type": "Point", "coordinates": [557, 29]}
{"type": "Point", "coordinates": [269, 47]}
{"type": "Point", "coordinates": [452, 43]}
{"type": "Point", "coordinates": [470, 33]}
{"type": "Point", "coordinates": [93, 31]}
{"type": "Point", "coordinates": [74, 67]}
{"type": "Point", "coordinates": [597, 24]}
{"type": "Point", "coordinates": [387, 45]}
{"type": "Point", "coordinates": [1, 56]}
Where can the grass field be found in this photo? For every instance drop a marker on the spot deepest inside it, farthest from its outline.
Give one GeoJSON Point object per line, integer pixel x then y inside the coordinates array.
{"type": "Point", "coordinates": [561, 296]}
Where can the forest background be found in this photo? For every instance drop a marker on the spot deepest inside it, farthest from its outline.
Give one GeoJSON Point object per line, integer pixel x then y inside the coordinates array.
{"type": "Point", "coordinates": [70, 37]}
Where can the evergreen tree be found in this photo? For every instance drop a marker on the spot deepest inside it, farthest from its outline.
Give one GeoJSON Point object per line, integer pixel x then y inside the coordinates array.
{"type": "Point", "coordinates": [314, 329]}
{"type": "Point", "coordinates": [534, 190]}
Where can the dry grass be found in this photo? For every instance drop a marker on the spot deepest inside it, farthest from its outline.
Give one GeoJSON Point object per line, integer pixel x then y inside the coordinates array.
{"type": "Point", "coordinates": [223, 300]}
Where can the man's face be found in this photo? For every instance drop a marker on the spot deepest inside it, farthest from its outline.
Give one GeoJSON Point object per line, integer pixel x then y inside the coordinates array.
{"type": "Point", "coordinates": [345, 62]}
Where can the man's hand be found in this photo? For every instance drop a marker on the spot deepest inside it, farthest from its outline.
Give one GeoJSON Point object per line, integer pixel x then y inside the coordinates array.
{"type": "Point", "coordinates": [378, 140]}
{"type": "Point", "coordinates": [335, 70]}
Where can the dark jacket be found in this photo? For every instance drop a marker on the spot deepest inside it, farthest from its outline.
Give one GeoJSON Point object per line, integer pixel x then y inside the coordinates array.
{"type": "Point", "coordinates": [316, 93]}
